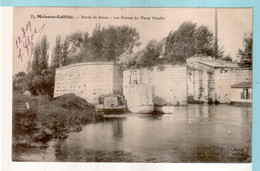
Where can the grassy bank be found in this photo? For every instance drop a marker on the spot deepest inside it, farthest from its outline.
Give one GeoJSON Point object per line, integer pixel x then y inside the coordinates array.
{"type": "Point", "coordinates": [48, 119]}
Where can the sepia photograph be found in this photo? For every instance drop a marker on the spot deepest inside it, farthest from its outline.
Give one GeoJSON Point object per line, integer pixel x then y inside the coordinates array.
{"type": "Point", "coordinates": [132, 85]}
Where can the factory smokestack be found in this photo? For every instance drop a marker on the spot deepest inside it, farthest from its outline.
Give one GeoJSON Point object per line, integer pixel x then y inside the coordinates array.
{"type": "Point", "coordinates": [216, 33]}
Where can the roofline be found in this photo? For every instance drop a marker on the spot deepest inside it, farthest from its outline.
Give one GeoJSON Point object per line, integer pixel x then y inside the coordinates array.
{"type": "Point", "coordinates": [237, 85]}
{"type": "Point", "coordinates": [87, 63]}
{"type": "Point", "coordinates": [109, 95]}
{"type": "Point", "coordinates": [241, 87]}
{"type": "Point", "coordinates": [200, 55]}
{"type": "Point", "coordinates": [215, 66]}
{"type": "Point", "coordinates": [164, 65]}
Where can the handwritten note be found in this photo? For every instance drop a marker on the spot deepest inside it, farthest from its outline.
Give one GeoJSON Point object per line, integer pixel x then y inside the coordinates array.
{"type": "Point", "coordinates": [26, 41]}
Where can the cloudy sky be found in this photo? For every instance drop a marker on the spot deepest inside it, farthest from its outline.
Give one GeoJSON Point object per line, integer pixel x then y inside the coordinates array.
{"type": "Point", "coordinates": [233, 23]}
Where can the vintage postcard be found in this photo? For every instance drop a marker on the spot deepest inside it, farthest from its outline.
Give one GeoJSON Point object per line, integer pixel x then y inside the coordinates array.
{"type": "Point", "coordinates": [135, 85]}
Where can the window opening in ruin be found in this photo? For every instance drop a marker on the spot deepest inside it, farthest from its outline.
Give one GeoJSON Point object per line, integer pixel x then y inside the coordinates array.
{"type": "Point", "coordinates": [100, 101]}
{"type": "Point", "coordinates": [245, 94]}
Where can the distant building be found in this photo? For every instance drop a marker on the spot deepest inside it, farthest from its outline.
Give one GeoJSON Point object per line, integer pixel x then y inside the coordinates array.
{"type": "Point", "coordinates": [241, 93]}
{"type": "Point", "coordinates": [168, 83]}
{"type": "Point", "coordinates": [211, 80]}
{"type": "Point", "coordinates": [88, 80]}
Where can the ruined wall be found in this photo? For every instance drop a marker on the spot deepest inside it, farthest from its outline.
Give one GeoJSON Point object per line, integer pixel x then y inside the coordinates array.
{"type": "Point", "coordinates": [236, 95]}
{"type": "Point", "coordinates": [225, 78]}
{"type": "Point", "coordinates": [139, 95]}
{"type": "Point", "coordinates": [199, 82]}
{"type": "Point", "coordinates": [87, 80]}
{"type": "Point", "coordinates": [168, 82]}
{"type": "Point", "coordinates": [207, 83]}
{"type": "Point", "coordinates": [117, 80]}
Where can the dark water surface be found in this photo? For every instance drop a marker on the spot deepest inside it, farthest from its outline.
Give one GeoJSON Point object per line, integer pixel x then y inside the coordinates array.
{"type": "Point", "coordinates": [194, 133]}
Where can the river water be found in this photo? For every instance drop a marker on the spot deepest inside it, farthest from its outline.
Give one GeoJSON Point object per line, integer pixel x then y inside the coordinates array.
{"type": "Point", "coordinates": [193, 133]}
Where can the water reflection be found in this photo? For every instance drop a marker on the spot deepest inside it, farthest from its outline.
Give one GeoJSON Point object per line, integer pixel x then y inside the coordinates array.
{"type": "Point", "coordinates": [194, 133]}
{"type": "Point", "coordinates": [117, 128]}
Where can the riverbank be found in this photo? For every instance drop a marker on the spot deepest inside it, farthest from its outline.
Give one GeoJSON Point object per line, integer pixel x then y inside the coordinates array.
{"type": "Point", "coordinates": [193, 133]}
{"type": "Point", "coordinates": [37, 119]}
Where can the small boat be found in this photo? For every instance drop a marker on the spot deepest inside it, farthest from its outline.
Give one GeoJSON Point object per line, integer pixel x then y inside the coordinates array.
{"type": "Point", "coordinates": [110, 103]}
{"type": "Point", "coordinates": [164, 109]}
{"type": "Point", "coordinates": [141, 109]}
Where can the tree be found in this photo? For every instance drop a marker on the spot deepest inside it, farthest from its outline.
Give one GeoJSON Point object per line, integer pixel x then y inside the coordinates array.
{"type": "Point", "coordinates": [204, 41]}
{"type": "Point", "coordinates": [150, 55]}
{"type": "Point", "coordinates": [65, 53]}
{"type": "Point", "coordinates": [187, 41]}
{"type": "Point", "coordinates": [57, 53]}
{"type": "Point", "coordinates": [40, 56]}
{"type": "Point", "coordinates": [220, 53]}
{"type": "Point", "coordinates": [246, 53]}
{"type": "Point", "coordinates": [35, 67]}
{"type": "Point", "coordinates": [78, 42]}
{"type": "Point", "coordinates": [181, 43]}
{"type": "Point", "coordinates": [41, 78]}
{"type": "Point", "coordinates": [128, 60]}
{"type": "Point", "coordinates": [227, 58]}
{"type": "Point", "coordinates": [76, 39]}
{"type": "Point", "coordinates": [107, 44]}
{"type": "Point", "coordinates": [61, 52]}
{"type": "Point", "coordinates": [147, 57]}
{"type": "Point", "coordinates": [19, 84]}
{"type": "Point", "coordinates": [44, 53]}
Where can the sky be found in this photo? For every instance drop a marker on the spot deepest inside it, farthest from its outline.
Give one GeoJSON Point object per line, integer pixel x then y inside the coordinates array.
{"type": "Point", "coordinates": [233, 23]}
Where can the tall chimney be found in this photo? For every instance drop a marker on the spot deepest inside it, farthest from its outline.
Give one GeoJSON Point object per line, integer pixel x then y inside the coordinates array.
{"type": "Point", "coordinates": [216, 32]}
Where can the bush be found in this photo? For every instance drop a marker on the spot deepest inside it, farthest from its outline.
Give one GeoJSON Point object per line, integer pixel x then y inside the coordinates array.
{"type": "Point", "coordinates": [72, 101]}
{"type": "Point", "coordinates": [51, 119]}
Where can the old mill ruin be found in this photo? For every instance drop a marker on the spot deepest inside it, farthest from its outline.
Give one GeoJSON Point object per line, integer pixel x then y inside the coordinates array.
{"type": "Point", "coordinates": [202, 79]}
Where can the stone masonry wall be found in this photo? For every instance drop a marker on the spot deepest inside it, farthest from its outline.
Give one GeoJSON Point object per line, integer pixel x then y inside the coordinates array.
{"type": "Point", "coordinates": [88, 80]}
{"type": "Point", "coordinates": [169, 82]}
